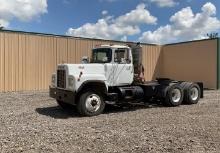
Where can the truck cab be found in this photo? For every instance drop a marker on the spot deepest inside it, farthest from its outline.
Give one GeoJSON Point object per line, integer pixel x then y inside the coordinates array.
{"type": "Point", "coordinates": [117, 62]}
{"type": "Point", "coordinates": [109, 77]}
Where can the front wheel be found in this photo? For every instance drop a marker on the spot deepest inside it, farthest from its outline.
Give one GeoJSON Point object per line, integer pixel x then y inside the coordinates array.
{"type": "Point", "coordinates": [90, 104]}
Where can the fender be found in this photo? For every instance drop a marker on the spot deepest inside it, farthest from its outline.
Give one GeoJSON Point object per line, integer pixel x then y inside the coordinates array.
{"type": "Point", "coordinates": [93, 83]}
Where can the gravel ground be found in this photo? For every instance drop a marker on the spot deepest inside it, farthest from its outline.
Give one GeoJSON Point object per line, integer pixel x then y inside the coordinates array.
{"type": "Point", "coordinates": [32, 122]}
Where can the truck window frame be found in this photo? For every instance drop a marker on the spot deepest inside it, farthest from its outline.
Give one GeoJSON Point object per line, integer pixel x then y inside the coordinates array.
{"type": "Point", "coordinates": [126, 56]}
{"type": "Point", "coordinates": [109, 57]}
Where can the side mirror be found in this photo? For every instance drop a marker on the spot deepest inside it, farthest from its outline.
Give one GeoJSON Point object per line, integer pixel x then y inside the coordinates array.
{"type": "Point", "coordinates": [85, 60]}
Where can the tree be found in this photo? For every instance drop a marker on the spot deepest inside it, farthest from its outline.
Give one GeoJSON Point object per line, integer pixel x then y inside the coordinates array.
{"type": "Point", "coordinates": [212, 35]}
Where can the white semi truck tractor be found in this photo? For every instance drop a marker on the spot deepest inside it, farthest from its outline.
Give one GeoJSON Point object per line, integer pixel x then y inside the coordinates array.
{"type": "Point", "coordinates": [114, 76]}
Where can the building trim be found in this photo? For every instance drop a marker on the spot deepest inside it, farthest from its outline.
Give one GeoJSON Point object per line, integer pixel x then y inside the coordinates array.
{"type": "Point", "coordinates": [70, 37]}
{"type": "Point", "coordinates": [84, 38]}
{"type": "Point", "coordinates": [190, 41]}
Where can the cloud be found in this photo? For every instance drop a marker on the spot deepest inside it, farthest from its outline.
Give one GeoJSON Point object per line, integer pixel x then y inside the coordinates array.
{"type": "Point", "coordinates": [185, 25]}
{"type": "Point", "coordinates": [160, 3]}
{"type": "Point", "coordinates": [164, 3]}
{"type": "Point", "coordinates": [4, 23]}
{"type": "Point", "coordinates": [104, 12]}
{"type": "Point", "coordinates": [23, 10]}
{"type": "Point", "coordinates": [116, 28]}
{"type": "Point", "coordinates": [138, 16]}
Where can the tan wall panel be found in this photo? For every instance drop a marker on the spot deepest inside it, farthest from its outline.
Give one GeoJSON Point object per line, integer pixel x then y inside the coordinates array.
{"type": "Point", "coordinates": [2, 62]}
{"type": "Point", "coordinates": [11, 61]}
{"type": "Point", "coordinates": [42, 62]}
{"type": "Point", "coordinates": [84, 49]}
{"type": "Point", "coordinates": [15, 62]}
{"type": "Point", "coordinates": [21, 62]}
{"type": "Point", "coordinates": [31, 65]}
{"type": "Point", "coordinates": [47, 61]}
{"type": "Point", "coordinates": [194, 61]}
{"type": "Point", "coordinates": [78, 51]}
{"type": "Point", "coordinates": [151, 60]}
{"type": "Point", "coordinates": [71, 51]}
{"type": "Point", "coordinates": [51, 56]}
{"type": "Point", "coordinates": [6, 73]}
{"type": "Point", "coordinates": [62, 50]}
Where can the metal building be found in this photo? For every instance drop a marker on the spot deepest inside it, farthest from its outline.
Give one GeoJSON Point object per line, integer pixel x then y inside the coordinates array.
{"type": "Point", "coordinates": [27, 60]}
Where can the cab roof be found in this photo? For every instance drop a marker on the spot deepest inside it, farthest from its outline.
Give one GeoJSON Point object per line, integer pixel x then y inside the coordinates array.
{"type": "Point", "coordinates": [112, 46]}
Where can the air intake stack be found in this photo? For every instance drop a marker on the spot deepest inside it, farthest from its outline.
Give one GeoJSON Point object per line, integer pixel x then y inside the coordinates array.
{"type": "Point", "coordinates": [137, 62]}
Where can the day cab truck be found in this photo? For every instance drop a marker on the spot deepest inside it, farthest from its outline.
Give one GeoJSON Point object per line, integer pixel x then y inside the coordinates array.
{"type": "Point", "coordinates": [114, 75]}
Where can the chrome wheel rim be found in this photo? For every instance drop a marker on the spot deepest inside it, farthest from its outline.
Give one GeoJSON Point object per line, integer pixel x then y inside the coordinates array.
{"type": "Point", "coordinates": [93, 103]}
{"type": "Point", "coordinates": [176, 95]}
{"type": "Point", "coordinates": [194, 93]}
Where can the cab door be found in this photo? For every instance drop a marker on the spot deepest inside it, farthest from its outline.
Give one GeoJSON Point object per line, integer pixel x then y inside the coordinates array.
{"type": "Point", "coordinates": [123, 72]}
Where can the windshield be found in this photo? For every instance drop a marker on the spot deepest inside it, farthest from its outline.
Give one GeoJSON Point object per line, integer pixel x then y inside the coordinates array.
{"type": "Point", "coordinates": [101, 55]}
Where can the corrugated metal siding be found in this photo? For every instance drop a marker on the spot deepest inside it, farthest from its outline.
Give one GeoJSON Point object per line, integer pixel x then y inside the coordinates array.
{"type": "Point", "coordinates": [151, 61]}
{"type": "Point", "coordinates": [192, 61]}
{"type": "Point", "coordinates": [2, 62]}
{"type": "Point", "coordinates": [27, 61]}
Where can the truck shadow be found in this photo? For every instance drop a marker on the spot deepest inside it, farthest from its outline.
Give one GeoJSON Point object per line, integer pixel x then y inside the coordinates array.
{"type": "Point", "coordinates": [58, 113]}
{"type": "Point", "coordinates": [128, 108]}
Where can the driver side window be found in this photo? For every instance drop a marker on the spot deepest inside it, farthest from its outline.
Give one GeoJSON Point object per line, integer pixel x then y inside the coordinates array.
{"type": "Point", "coordinates": [122, 56]}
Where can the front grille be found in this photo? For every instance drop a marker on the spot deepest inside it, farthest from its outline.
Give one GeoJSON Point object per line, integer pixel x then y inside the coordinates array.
{"type": "Point", "coordinates": [61, 78]}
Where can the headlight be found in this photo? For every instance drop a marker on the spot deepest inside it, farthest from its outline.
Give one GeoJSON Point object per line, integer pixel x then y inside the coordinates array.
{"type": "Point", "coordinates": [53, 80]}
{"type": "Point", "coordinates": [71, 82]}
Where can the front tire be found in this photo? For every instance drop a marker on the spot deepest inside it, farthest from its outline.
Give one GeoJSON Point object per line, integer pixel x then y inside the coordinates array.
{"type": "Point", "coordinates": [90, 104]}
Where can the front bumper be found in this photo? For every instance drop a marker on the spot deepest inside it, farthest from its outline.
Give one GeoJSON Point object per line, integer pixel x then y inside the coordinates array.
{"type": "Point", "coordinates": [63, 95]}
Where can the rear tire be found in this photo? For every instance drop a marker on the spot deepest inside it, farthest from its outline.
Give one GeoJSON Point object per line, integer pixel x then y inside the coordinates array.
{"type": "Point", "coordinates": [174, 95]}
{"type": "Point", "coordinates": [90, 104]}
{"type": "Point", "coordinates": [192, 93]}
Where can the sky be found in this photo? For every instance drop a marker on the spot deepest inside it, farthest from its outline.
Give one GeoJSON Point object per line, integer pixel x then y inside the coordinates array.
{"type": "Point", "coordinates": [147, 21]}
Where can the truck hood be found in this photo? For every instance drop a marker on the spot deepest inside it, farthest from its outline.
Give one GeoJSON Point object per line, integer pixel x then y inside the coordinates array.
{"type": "Point", "coordinates": [76, 69]}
